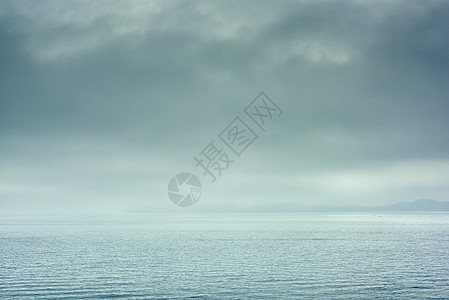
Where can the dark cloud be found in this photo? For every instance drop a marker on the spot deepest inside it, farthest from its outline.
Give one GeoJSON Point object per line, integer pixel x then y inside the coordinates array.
{"type": "Point", "coordinates": [103, 103]}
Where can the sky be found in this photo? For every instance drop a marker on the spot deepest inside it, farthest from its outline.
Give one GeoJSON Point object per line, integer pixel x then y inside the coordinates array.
{"type": "Point", "coordinates": [103, 102]}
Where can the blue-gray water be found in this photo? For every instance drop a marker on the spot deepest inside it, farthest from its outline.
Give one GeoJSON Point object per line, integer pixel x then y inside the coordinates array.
{"type": "Point", "coordinates": [216, 256]}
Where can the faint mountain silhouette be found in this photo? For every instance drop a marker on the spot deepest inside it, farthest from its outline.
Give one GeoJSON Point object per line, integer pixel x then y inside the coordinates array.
{"type": "Point", "coordinates": [420, 205]}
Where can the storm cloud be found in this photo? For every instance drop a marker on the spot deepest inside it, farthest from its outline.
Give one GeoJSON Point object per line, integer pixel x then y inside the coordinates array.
{"type": "Point", "coordinates": [102, 102]}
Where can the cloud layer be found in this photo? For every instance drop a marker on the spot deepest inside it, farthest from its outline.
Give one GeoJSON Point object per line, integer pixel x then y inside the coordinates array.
{"type": "Point", "coordinates": [102, 102]}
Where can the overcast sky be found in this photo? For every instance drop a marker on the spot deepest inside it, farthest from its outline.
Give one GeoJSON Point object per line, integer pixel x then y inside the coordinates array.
{"type": "Point", "coordinates": [102, 102]}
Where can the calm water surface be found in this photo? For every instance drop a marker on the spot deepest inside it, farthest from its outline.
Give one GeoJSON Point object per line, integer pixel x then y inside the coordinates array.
{"type": "Point", "coordinates": [216, 256]}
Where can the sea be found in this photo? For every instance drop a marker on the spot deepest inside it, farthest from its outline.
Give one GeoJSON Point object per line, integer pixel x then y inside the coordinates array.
{"type": "Point", "coordinates": [226, 256]}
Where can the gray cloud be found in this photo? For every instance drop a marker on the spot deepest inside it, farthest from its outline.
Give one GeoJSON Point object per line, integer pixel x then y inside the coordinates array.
{"type": "Point", "coordinates": [101, 103]}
